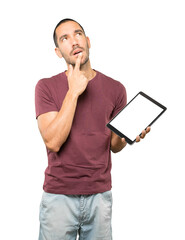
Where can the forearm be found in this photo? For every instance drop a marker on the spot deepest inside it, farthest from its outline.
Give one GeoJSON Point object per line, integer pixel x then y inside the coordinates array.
{"type": "Point", "coordinates": [58, 130]}
{"type": "Point", "coordinates": [117, 143]}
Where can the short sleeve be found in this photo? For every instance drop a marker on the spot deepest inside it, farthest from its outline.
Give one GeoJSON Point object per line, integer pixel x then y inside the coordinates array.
{"type": "Point", "coordinates": [44, 101]}
{"type": "Point", "coordinates": [121, 100]}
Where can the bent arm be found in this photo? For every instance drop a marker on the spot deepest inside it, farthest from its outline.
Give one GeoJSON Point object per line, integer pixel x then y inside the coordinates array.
{"type": "Point", "coordinates": [55, 126]}
{"type": "Point", "coordinates": [117, 143]}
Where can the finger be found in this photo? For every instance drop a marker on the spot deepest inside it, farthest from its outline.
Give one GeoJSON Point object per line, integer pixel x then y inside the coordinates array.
{"type": "Point", "coordinates": [123, 140]}
{"type": "Point", "coordinates": [78, 60]}
{"type": "Point", "coordinates": [143, 134]}
{"type": "Point", "coordinates": [138, 139]}
{"type": "Point", "coordinates": [70, 70]}
{"type": "Point", "coordinates": [148, 129]}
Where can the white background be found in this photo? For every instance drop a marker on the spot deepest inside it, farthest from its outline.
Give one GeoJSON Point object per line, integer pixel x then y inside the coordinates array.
{"type": "Point", "coordinates": [139, 43]}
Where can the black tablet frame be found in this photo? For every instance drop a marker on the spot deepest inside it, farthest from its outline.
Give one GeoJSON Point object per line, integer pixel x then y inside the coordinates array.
{"type": "Point", "coordinates": [128, 140]}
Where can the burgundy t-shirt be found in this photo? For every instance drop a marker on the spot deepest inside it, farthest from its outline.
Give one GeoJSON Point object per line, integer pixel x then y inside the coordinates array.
{"type": "Point", "coordinates": [83, 163]}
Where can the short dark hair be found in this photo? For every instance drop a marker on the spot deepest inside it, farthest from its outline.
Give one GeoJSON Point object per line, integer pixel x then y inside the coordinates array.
{"type": "Point", "coordinates": [63, 21]}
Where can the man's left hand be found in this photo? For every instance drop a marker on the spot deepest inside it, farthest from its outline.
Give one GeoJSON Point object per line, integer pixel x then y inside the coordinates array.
{"type": "Point", "coordinates": [117, 143]}
{"type": "Point", "coordinates": [143, 134]}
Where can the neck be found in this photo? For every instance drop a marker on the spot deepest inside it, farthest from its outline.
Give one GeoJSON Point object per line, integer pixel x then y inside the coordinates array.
{"type": "Point", "coordinates": [87, 71]}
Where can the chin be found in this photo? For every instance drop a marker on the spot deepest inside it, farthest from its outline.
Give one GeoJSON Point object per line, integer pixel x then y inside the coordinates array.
{"type": "Point", "coordinates": [81, 64]}
{"type": "Point", "coordinates": [85, 61]}
{"type": "Point", "coordinates": [73, 62]}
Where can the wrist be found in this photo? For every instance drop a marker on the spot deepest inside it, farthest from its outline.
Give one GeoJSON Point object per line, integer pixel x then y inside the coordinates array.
{"type": "Point", "coordinates": [72, 94]}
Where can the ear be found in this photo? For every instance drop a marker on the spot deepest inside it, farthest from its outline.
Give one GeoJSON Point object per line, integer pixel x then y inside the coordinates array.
{"type": "Point", "coordinates": [88, 42]}
{"type": "Point", "coordinates": [58, 52]}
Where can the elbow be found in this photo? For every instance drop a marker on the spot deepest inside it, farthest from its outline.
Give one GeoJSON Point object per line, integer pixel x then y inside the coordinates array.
{"type": "Point", "coordinates": [54, 144]}
{"type": "Point", "coordinates": [52, 147]}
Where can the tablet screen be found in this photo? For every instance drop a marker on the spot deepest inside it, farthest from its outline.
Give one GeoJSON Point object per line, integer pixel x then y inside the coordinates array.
{"type": "Point", "coordinates": [137, 115]}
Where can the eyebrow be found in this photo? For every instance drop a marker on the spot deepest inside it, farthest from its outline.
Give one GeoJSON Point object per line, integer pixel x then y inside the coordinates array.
{"type": "Point", "coordinates": [76, 31]}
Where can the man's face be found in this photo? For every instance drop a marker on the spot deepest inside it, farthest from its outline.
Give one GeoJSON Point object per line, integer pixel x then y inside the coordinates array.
{"type": "Point", "coordinates": [72, 40]}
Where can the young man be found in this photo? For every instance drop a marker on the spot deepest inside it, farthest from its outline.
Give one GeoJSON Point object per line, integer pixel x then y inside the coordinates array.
{"type": "Point", "coordinates": [72, 110]}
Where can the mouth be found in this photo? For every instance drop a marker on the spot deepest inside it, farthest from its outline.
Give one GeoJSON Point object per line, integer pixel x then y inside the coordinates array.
{"type": "Point", "coordinates": [76, 52]}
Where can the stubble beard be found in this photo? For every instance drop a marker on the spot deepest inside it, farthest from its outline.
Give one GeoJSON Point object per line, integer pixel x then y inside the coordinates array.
{"type": "Point", "coordinates": [68, 59]}
{"type": "Point", "coordinates": [73, 62]}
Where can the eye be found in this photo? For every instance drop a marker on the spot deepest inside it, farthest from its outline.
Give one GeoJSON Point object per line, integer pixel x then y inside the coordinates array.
{"type": "Point", "coordinates": [78, 34]}
{"type": "Point", "coordinates": [64, 39]}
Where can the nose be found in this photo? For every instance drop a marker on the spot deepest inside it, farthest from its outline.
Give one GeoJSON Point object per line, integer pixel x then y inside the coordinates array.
{"type": "Point", "coordinates": [74, 41]}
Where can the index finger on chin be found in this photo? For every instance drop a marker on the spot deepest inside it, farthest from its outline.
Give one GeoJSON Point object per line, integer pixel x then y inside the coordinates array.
{"type": "Point", "coordinates": [78, 60]}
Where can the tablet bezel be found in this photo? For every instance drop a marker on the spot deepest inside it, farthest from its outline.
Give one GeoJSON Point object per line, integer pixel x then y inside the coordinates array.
{"type": "Point", "coordinates": [128, 140]}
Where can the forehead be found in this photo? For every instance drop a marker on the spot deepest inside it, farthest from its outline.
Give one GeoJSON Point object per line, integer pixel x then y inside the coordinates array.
{"type": "Point", "coordinates": [67, 28]}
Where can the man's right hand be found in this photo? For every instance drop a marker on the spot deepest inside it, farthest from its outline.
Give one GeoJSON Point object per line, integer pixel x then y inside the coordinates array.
{"type": "Point", "coordinates": [76, 79]}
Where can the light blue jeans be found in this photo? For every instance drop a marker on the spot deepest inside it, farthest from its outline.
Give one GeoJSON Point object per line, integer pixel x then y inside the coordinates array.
{"type": "Point", "coordinates": [64, 217]}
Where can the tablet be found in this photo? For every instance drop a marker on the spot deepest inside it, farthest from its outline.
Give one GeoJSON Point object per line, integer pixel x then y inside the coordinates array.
{"type": "Point", "coordinates": [142, 111]}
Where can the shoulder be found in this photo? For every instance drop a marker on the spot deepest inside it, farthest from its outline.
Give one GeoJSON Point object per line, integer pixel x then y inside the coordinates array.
{"type": "Point", "coordinates": [51, 82]}
{"type": "Point", "coordinates": [111, 83]}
